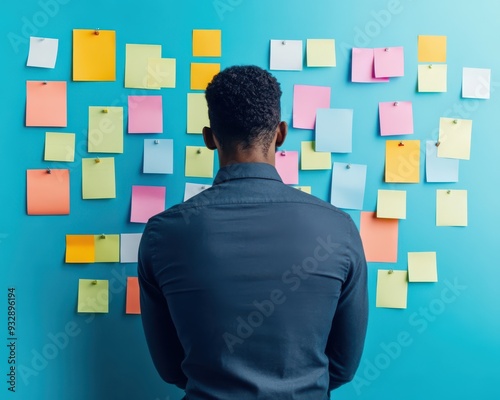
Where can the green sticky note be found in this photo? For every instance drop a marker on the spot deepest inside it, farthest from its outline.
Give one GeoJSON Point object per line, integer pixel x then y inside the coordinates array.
{"type": "Point", "coordinates": [311, 159]}
{"type": "Point", "coordinates": [197, 113]}
{"type": "Point", "coordinates": [199, 162]}
{"type": "Point", "coordinates": [59, 147]}
{"type": "Point", "coordinates": [137, 58]}
{"type": "Point", "coordinates": [107, 248]}
{"type": "Point", "coordinates": [98, 178]}
{"type": "Point", "coordinates": [161, 73]}
{"type": "Point", "coordinates": [105, 130]}
{"type": "Point", "coordinates": [93, 296]}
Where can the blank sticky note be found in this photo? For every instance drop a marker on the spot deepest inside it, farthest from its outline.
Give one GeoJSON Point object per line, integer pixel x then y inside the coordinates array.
{"type": "Point", "coordinates": [348, 185]}
{"type": "Point", "coordinates": [439, 169]}
{"type": "Point", "coordinates": [107, 248]}
{"type": "Point", "coordinates": [94, 55]}
{"type": "Point", "coordinates": [129, 247]}
{"type": "Point", "coordinates": [46, 103]}
{"type": "Point", "coordinates": [389, 62]}
{"type": "Point", "coordinates": [192, 189]}
{"type": "Point", "coordinates": [287, 165]}
{"type": "Point", "coordinates": [145, 114]}
{"type": "Point", "coordinates": [476, 83]}
{"type": "Point", "coordinates": [431, 48]}
{"type": "Point", "coordinates": [422, 267]}
{"type": "Point", "coordinates": [133, 304]}
{"type": "Point", "coordinates": [363, 69]}
{"type": "Point", "coordinates": [158, 156]}
{"type": "Point", "coordinates": [306, 102]}
{"type": "Point", "coordinates": [147, 201]}
{"type": "Point", "coordinates": [314, 160]}
{"type": "Point", "coordinates": [197, 113]}
{"type": "Point", "coordinates": [305, 189]}
{"type": "Point", "coordinates": [286, 55]}
{"type": "Point", "coordinates": [391, 204]}
{"type": "Point", "coordinates": [396, 118]}
{"type": "Point", "coordinates": [98, 178]}
{"type": "Point", "coordinates": [59, 147]}
{"type": "Point", "coordinates": [321, 53]}
{"type": "Point", "coordinates": [93, 296]}
{"type": "Point", "coordinates": [199, 162]}
{"type": "Point", "coordinates": [80, 249]}
{"type": "Point", "coordinates": [433, 78]}
{"type": "Point", "coordinates": [379, 237]}
{"type": "Point", "coordinates": [392, 288]}
{"type": "Point", "coordinates": [43, 52]}
{"type": "Point", "coordinates": [137, 64]}
{"type": "Point", "coordinates": [47, 192]}
{"type": "Point", "coordinates": [455, 138]}
{"type": "Point", "coordinates": [402, 161]}
{"type": "Point", "coordinates": [162, 73]}
{"type": "Point", "coordinates": [451, 208]}
{"type": "Point", "coordinates": [105, 129]}
{"type": "Point", "coordinates": [202, 74]}
{"type": "Point", "coordinates": [334, 130]}
{"type": "Point", "coordinates": [207, 43]}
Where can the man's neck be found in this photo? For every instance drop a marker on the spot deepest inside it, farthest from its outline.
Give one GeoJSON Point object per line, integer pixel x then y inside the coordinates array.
{"type": "Point", "coordinates": [246, 156]}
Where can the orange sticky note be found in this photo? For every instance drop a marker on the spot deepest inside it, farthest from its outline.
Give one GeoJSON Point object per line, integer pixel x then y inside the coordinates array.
{"type": "Point", "coordinates": [94, 55]}
{"type": "Point", "coordinates": [47, 193]}
{"type": "Point", "coordinates": [46, 103]}
{"type": "Point", "coordinates": [133, 304]}
{"type": "Point", "coordinates": [202, 74]}
{"type": "Point", "coordinates": [207, 43]}
{"type": "Point", "coordinates": [402, 161]}
{"type": "Point", "coordinates": [80, 249]}
{"type": "Point", "coordinates": [379, 237]}
{"type": "Point", "coordinates": [431, 48]}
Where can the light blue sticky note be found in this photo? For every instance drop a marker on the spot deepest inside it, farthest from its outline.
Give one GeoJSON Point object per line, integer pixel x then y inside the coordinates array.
{"type": "Point", "coordinates": [348, 185]}
{"type": "Point", "coordinates": [439, 169]}
{"type": "Point", "coordinates": [334, 130]}
{"type": "Point", "coordinates": [158, 156]}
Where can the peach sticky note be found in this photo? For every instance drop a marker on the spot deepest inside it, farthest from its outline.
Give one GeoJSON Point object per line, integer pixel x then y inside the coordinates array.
{"type": "Point", "coordinates": [146, 202]}
{"type": "Point", "coordinates": [197, 112]}
{"type": "Point", "coordinates": [422, 267]}
{"type": "Point", "coordinates": [202, 74]}
{"type": "Point", "coordinates": [455, 138]}
{"type": "Point", "coordinates": [107, 248]}
{"type": "Point", "coordinates": [433, 78]}
{"type": "Point", "coordinates": [396, 118]}
{"type": "Point", "coordinates": [133, 304]}
{"type": "Point", "coordinates": [199, 162]}
{"type": "Point", "coordinates": [451, 208]}
{"type": "Point", "coordinates": [137, 64]}
{"type": "Point", "coordinates": [93, 296]}
{"type": "Point", "coordinates": [207, 43]}
{"type": "Point", "coordinates": [94, 55]}
{"type": "Point", "coordinates": [287, 165]}
{"type": "Point", "coordinates": [306, 102]}
{"type": "Point", "coordinates": [47, 192]}
{"type": "Point", "coordinates": [379, 237]}
{"type": "Point", "coordinates": [392, 288]}
{"type": "Point", "coordinates": [311, 159]}
{"type": "Point", "coordinates": [105, 130]}
{"type": "Point", "coordinates": [363, 66]}
{"type": "Point", "coordinates": [389, 62]}
{"type": "Point", "coordinates": [391, 204]}
{"type": "Point", "coordinates": [80, 249]}
{"type": "Point", "coordinates": [402, 161]}
{"type": "Point", "coordinates": [145, 114]}
{"type": "Point", "coordinates": [162, 73]}
{"type": "Point", "coordinates": [321, 53]}
{"type": "Point", "coordinates": [59, 147]}
{"type": "Point", "coordinates": [98, 178]}
{"type": "Point", "coordinates": [46, 103]}
{"type": "Point", "coordinates": [431, 48]}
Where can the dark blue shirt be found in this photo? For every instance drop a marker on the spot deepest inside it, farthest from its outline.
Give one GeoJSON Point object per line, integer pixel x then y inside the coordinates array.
{"type": "Point", "coordinates": [253, 290]}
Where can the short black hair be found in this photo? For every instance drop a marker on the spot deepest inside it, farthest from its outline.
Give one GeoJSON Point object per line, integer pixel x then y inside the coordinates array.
{"type": "Point", "coordinates": [244, 107]}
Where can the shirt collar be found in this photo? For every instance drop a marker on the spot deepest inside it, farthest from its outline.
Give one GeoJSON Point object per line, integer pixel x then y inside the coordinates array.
{"type": "Point", "coordinates": [247, 170]}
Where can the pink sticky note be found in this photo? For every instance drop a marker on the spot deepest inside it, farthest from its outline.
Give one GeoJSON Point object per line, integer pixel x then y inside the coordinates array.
{"type": "Point", "coordinates": [389, 62]}
{"type": "Point", "coordinates": [287, 165]}
{"type": "Point", "coordinates": [306, 101]}
{"type": "Point", "coordinates": [363, 66]}
{"type": "Point", "coordinates": [146, 202]}
{"type": "Point", "coordinates": [46, 103]}
{"type": "Point", "coordinates": [379, 237]}
{"type": "Point", "coordinates": [396, 118]}
{"type": "Point", "coordinates": [145, 114]}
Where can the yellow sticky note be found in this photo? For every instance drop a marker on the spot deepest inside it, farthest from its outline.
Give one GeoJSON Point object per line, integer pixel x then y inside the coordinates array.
{"type": "Point", "coordinates": [321, 53]}
{"type": "Point", "coordinates": [402, 161]}
{"type": "Point", "coordinates": [94, 55]}
{"type": "Point", "coordinates": [107, 248]}
{"type": "Point", "coordinates": [197, 112]}
{"type": "Point", "coordinates": [391, 204]}
{"type": "Point", "coordinates": [105, 130]}
{"type": "Point", "coordinates": [207, 43]}
{"type": "Point", "coordinates": [305, 189]}
{"type": "Point", "coordinates": [93, 296]}
{"type": "Point", "coordinates": [392, 288]}
{"type": "Point", "coordinates": [454, 138]}
{"type": "Point", "coordinates": [98, 178]}
{"type": "Point", "coordinates": [199, 162]}
{"type": "Point", "coordinates": [80, 249]}
{"type": "Point", "coordinates": [137, 58]}
{"type": "Point", "coordinates": [431, 48]}
{"type": "Point", "coordinates": [202, 74]}
{"type": "Point", "coordinates": [162, 73]}
{"type": "Point", "coordinates": [433, 78]}
{"type": "Point", "coordinates": [422, 267]}
{"type": "Point", "coordinates": [59, 147]}
{"type": "Point", "coordinates": [311, 159]}
{"type": "Point", "coordinates": [451, 208]}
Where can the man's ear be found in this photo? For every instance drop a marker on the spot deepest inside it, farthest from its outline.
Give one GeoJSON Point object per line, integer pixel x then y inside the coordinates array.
{"type": "Point", "coordinates": [208, 137]}
{"type": "Point", "coordinates": [281, 133]}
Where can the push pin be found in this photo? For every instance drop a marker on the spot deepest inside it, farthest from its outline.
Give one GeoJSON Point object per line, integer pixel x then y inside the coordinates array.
{"type": "Point", "coordinates": [438, 143]}
{"type": "Point", "coordinates": [283, 153]}
{"type": "Point", "coordinates": [157, 141]}
{"type": "Point", "coordinates": [401, 144]}
{"type": "Point", "coordinates": [94, 282]}
{"type": "Point", "coordinates": [283, 42]}
{"type": "Point", "coordinates": [202, 188]}
{"type": "Point", "coordinates": [455, 121]}
{"type": "Point", "coordinates": [96, 32]}
{"type": "Point", "coordinates": [49, 171]}
{"type": "Point", "coordinates": [44, 82]}
{"type": "Point", "coordinates": [198, 151]}
{"type": "Point", "coordinates": [396, 103]}
{"type": "Point", "coordinates": [103, 236]}
{"type": "Point", "coordinates": [391, 271]}
{"type": "Point", "coordinates": [348, 166]}
{"type": "Point", "coordinates": [448, 191]}
{"type": "Point", "coordinates": [97, 160]}
{"type": "Point", "coordinates": [386, 49]}
{"type": "Point", "coordinates": [430, 66]}
{"type": "Point", "coordinates": [105, 110]}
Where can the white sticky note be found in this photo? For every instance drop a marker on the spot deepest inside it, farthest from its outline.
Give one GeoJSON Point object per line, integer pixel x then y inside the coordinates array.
{"type": "Point", "coordinates": [286, 55]}
{"type": "Point", "coordinates": [476, 83]}
{"type": "Point", "coordinates": [129, 247]}
{"type": "Point", "coordinates": [192, 189]}
{"type": "Point", "coordinates": [43, 52]}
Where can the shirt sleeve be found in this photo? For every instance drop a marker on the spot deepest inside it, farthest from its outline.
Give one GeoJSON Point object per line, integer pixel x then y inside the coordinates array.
{"type": "Point", "coordinates": [161, 335]}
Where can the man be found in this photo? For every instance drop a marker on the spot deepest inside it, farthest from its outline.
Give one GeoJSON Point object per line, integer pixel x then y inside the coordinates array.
{"type": "Point", "coordinates": [252, 289]}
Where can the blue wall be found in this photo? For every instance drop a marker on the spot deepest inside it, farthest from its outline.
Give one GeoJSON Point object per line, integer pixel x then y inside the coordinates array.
{"type": "Point", "coordinates": [450, 351]}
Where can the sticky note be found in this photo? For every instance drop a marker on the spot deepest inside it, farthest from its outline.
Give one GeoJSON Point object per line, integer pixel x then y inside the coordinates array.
{"type": "Point", "coordinates": [94, 55]}
{"type": "Point", "coordinates": [476, 83]}
{"type": "Point", "coordinates": [306, 101]}
{"type": "Point", "coordinates": [202, 74]}
{"type": "Point", "coordinates": [137, 67]}
{"type": "Point", "coordinates": [348, 185]}
{"type": "Point", "coordinates": [363, 69]}
{"type": "Point", "coordinates": [129, 247]}
{"type": "Point", "coordinates": [402, 161]}
{"type": "Point", "coordinates": [158, 156]}
{"type": "Point", "coordinates": [145, 114]}
{"type": "Point", "coordinates": [107, 248]}
{"type": "Point", "coordinates": [379, 237]}
{"type": "Point", "coordinates": [105, 129]}
{"type": "Point", "coordinates": [197, 113]}
{"type": "Point", "coordinates": [389, 62]}
{"type": "Point", "coordinates": [286, 55]}
{"type": "Point", "coordinates": [391, 204]}
{"type": "Point", "coordinates": [451, 208]}
{"type": "Point", "coordinates": [455, 138]}
{"type": "Point", "coordinates": [147, 201]}
{"type": "Point", "coordinates": [43, 52]}
{"type": "Point", "coordinates": [314, 160]}
{"type": "Point", "coordinates": [396, 118]}
{"type": "Point", "coordinates": [431, 48]}
{"type": "Point", "coordinates": [80, 249]}
{"type": "Point", "coordinates": [321, 53]}
{"type": "Point", "coordinates": [207, 43]}
{"type": "Point", "coordinates": [93, 296]}
{"type": "Point", "coordinates": [162, 73]}
{"type": "Point", "coordinates": [192, 189]}
{"type": "Point", "coordinates": [305, 189]}
{"type": "Point", "coordinates": [47, 193]}
{"type": "Point", "coordinates": [133, 304]}
{"type": "Point", "coordinates": [392, 288]}
{"type": "Point", "coordinates": [199, 162]}
{"type": "Point", "coordinates": [433, 78]}
{"type": "Point", "coordinates": [439, 169]}
{"type": "Point", "coordinates": [334, 130]}
{"type": "Point", "coordinates": [59, 147]}
{"type": "Point", "coordinates": [287, 165]}
{"type": "Point", "coordinates": [46, 103]}
{"type": "Point", "coordinates": [98, 178]}
{"type": "Point", "coordinates": [422, 266]}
